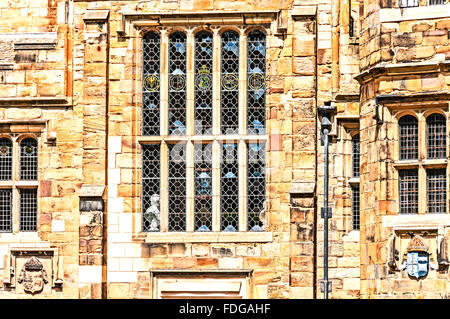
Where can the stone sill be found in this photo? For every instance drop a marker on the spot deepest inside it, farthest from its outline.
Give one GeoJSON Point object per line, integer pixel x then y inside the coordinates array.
{"type": "Point", "coordinates": [429, 163]}
{"type": "Point", "coordinates": [415, 13]}
{"type": "Point", "coordinates": [416, 221]}
{"type": "Point", "coordinates": [210, 237]}
{"type": "Point", "coordinates": [35, 101]}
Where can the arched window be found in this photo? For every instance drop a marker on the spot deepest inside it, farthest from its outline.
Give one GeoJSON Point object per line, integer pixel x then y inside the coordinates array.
{"type": "Point", "coordinates": [408, 137]}
{"type": "Point", "coordinates": [436, 141]}
{"type": "Point", "coordinates": [203, 82]}
{"type": "Point", "coordinates": [229, 96]}
{"type": "Point", "coordinates": [355, 155]}
{"type": "Point", "coordinates": [256, 84]}
{"type": "Point", "coordinates": [177, 83]}
{"type": "Point", "coordinates": [28, 159]}
{"type": "Point", "coordinates": [6, 156]}
{"type": "Point", "coordinates": [151, 84]}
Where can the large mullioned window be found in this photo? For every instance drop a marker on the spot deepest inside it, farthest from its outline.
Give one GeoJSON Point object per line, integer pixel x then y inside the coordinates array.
{"type": "Point", "coordinates": [19, 183]}
{"type": "Point", "coordinates": [203, 148]}
{"type": "Point", "coordinates": [426, 175]}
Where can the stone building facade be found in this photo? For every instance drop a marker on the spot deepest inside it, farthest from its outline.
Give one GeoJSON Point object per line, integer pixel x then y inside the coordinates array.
{"type": "Point", "coordinates": [173, 148]}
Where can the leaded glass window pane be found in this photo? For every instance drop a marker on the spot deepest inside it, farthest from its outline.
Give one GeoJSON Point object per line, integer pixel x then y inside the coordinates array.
{"type": "Point", "coordinates": [28, 159]}
{"type": "Point", "coordinates": [256, 84]}
{"type": "Point", "coordinates": [5, 159]}
{"type": "Point", "coordinates": [437, 190]}
{"type": "Point", "coordinates": [177, 83]}
{"type": "Point", "coordinates": [436, 130]}
{"type": "Point", "coordinates": [28, 209]}
{"type": "Point", "coordinates": [177, 187]}
{"type": "Point", "coordinates": [355, 155]}
{"type": "Point", "coordinates": [409, 191]}
{"type": "Point", "coordinates": [151, 84]}
{"type": "Point", "coordinates": [408, 137]}
{"type": "Point", "coordinates": [355, 207]}
{"type": "Point", "coordinates": [256, 186]}
{"type": "Point", "coordinates": [229, 90]}
{"type": "Point", "coordinates": [203, 187]}
{"type": "Point", "coordinates": [5, 210]}
{"type": "Point", "coordinates": [203, 82]}
{"type": "Point", "coordinates": [229, 187]}
{"type": "Point", "coordinates": [151, 187]}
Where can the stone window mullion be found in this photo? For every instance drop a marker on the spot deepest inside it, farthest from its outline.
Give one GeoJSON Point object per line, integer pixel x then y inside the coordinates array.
{"type": "Point", "coordinates": [164, 213]}
{"type": "Point", "coordinates": [216, 82]}
{"type": "Point", "coordinates": [190, 186]}
{"type": "Point", "coordinates": [242, 82]}
{"type": "Point", "coordinates": [164, 79]}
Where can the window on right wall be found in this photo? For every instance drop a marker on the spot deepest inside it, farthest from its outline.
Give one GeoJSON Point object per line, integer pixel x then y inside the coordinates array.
{"type": "Point", "coordinates": [423, 165]}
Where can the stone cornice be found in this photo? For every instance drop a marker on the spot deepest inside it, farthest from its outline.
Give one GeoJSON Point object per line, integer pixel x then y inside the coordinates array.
{"type": "Point", "coordinates": [413, 97]}
{"type": "Point", "coordinates": [402, 69]}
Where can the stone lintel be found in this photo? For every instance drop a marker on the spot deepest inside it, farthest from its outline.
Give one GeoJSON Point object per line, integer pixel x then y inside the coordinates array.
{"type": "Point", "coordinates": [303, 188]}
{"type": "Point", "coordinates": [6, 66]}
{"type": "Point", "coordinates": [302, 12]}
{"type": "Point", "coordinates": [35, 46]}
{"type": "Point", "coordinates": [92, 16]}
{"type": "Point", "coordinates": [196, 272]}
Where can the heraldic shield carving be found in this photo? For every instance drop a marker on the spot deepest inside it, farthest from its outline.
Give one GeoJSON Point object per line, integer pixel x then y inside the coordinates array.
{"type": "Point", "coordinates": [417, 257]}
{"type": "Point", "coordinates": [33, 276]}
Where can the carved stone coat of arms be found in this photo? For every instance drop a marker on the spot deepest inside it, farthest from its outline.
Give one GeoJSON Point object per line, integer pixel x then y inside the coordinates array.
{"type": "Point", "coordinates": [33, 276]}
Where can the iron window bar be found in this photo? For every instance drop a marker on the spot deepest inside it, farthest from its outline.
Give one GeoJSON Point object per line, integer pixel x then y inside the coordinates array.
{"type": "Point", "coordinates": [6, 159]}
{"type": "Point", "coordinates": [408, 137]}
{"type": "Point", "coordinates": [436, 136]}
{"type": "Point", "coordinates": [355, 207]}
{"type": "Point", "coordinates": [28, 159]}
{"type": "Point", "coordinates": [437, 190]}
{"type": "Point", "coordinates": [355, 155]}
{"type": "Point", "coordinates": [5, 210]}
{"type": "Point", "coordinates": [28, 209]}
{"type": "Point", "coordinates": [409, 191]}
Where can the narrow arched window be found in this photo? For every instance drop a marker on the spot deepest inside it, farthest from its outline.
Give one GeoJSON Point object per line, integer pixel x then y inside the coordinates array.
{"type": "Point", "coordinates": [6, 157]}
{"type": "Point", "coordinates": [151, 84]}
{"type": "Point", "coordinates": [256, 84]}
{"type": "Point", "coordinates": [177, 83]}
{"type": "Point", "coordinates": [436, 141]}
{"type": "Point", "coordinates": [355, 155]}
{"type": "Point", "coordinates": [203, 82]}
{"type": "Point", "coordinates": [408, 137]}
{"type": "Point", "coordinates": [28, 159]}
{"type": "Point", "coordinates": [229, 95]}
